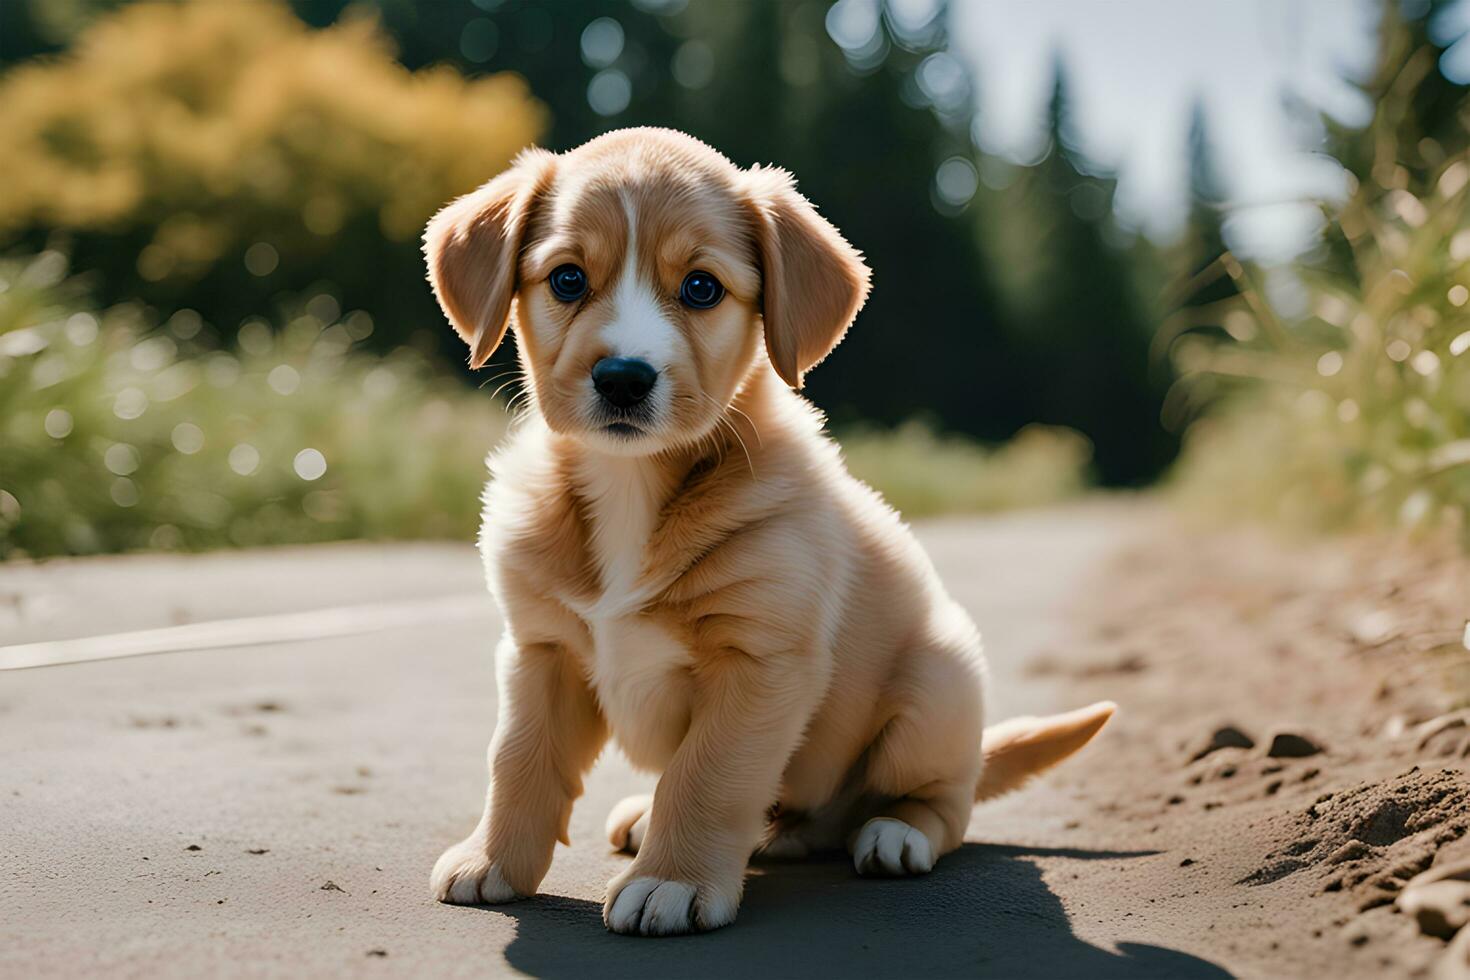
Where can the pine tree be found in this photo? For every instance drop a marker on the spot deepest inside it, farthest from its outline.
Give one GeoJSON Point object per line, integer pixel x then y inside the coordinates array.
{"type": "Point", "coordinates": [1076, 308]}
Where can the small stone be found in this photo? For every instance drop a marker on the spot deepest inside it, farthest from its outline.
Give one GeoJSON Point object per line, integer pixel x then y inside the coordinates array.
{"type": "Point", "coordinates": [332, 886]}
{"type": "Point", "coordinates": [1290, 745]}
{"type": "Point", "coordinates": [1427, 732]}
{"type": "Point", "coordinates": [1374, 627]}
{"type": "Point", "coordinates": [1228, 737]}
{"type": "Point", "coordinates": [1350, 851]}
{"type": "Point", "coordinates": [1438, 899]}
{"type": "Point", "coordinates": [1186, 862]}
{"type": "Point", "coordinates": [193, 847]}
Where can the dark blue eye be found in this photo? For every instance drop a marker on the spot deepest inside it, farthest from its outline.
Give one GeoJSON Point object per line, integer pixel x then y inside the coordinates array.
{"type": "Point", "coordinates": [701, 291]}
{"type": "Point", "coordinates": [568, 283]}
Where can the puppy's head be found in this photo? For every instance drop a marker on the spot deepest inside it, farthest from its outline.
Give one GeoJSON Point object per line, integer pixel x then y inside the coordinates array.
{"type": "Point", "coordinates": [643, 272]}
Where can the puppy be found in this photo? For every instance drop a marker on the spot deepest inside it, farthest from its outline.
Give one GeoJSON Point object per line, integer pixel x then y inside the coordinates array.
{"type": "Point", "coordinates": [681, 558]}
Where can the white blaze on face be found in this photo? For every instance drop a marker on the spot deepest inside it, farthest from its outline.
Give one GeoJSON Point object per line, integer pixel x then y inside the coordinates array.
{"type": "Point", "coordinates": [638, 327]}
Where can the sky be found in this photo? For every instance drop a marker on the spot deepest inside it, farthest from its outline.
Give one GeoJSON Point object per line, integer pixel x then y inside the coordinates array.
{"type": "Point", "coordinates": [1136, 68]}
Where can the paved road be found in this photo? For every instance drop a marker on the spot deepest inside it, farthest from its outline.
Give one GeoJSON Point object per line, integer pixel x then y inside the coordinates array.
{"type": "Point", "coordinates": [274, 810]}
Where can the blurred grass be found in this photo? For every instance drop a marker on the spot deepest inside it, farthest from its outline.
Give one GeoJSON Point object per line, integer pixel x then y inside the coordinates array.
{"type": "Point", "coordinates": [923, 473]}
{"type": "Point", "coordinates": [115, 438]}
{"type": "Point", "coordinates": [117, 434]}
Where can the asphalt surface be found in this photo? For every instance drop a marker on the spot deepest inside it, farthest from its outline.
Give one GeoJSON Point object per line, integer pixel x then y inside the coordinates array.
{"type": "Point", "coordinates": [274, 810]}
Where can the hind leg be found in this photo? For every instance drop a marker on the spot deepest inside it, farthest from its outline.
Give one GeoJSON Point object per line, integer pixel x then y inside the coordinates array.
{"type": "Point", "coordinates": [923, 769]}
{"type": "Point", "coordinates": [627, 822]}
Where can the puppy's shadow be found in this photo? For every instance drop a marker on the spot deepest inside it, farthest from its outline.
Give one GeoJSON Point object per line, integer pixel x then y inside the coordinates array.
{"type": "Point", "coordinates": [983, 912]}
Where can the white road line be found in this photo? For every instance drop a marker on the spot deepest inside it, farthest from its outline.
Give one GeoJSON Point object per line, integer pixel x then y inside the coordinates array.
{"type": "Point", "coordinates": [313, 624]}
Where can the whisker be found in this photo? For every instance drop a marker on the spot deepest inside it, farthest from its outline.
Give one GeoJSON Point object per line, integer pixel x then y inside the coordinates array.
{"type": "Point", "coordinates": [723, 420]}
{"type": "Point", "coordinates": [748, 419]}
{"type": "Point", "coordinates": [493, 379]}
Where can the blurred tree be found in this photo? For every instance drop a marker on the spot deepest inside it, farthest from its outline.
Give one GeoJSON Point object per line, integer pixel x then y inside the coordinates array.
{"type": "Point", "coordinates": [1204, 238]}
{"type": "Point", "coordinates": [866, 123]}
{"type": "Point", "coordinates": [223, 154]}
{"type": "Point", "coordinates": [1073, 295]}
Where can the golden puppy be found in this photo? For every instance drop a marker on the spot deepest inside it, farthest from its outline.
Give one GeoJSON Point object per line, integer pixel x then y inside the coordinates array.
{"type": "Point", "coordinates": [683, 562]}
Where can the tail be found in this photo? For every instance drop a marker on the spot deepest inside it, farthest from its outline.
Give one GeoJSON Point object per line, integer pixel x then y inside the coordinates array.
{"type": "Point", "coordinates": [1020, 748]}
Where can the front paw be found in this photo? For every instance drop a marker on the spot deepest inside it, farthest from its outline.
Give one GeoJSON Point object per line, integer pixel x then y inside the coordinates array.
{"type": "Point", "coordinates": [466, 875]}
{"type": "Point", "coordinates": [646, 905]}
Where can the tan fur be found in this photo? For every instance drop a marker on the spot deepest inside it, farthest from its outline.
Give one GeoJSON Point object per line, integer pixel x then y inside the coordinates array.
{"type": "Point", "coordinates": [718, 594]}
{"type": "Point", "coordinates": [1018, 749]}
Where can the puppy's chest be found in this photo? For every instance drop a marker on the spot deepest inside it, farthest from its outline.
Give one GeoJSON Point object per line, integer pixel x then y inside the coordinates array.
{"type": "Point", "coordinates": [639, 666]}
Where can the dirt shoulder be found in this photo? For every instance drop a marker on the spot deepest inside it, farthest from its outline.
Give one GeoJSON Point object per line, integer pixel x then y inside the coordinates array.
{"type": "Point", "coordinates": [1289, 737]}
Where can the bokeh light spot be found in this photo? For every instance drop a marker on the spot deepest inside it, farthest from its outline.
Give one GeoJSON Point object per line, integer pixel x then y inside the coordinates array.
{"type": "Point", "coordinates": [955, 181]}
{"type": "Point", "coordinates": [255, 337]}
{"type": "Point", "coordinates": [261, 259]}
{"type": "Point", "coordinates": [152, 353]}
{"type": "Point", "coordinates": [283, 379]}
{"type": "Point", "coordinates": [187, 438]}
{"type": "Point", "coordinates": [1426, 362]}
{"type": "Point", "coordinates": [130, 404]}
{"type": "Point", "coordinates": [479, 40]}
{"type": "Point", "coordinates": [124, 492]}
{"type": "Point", "coordinates": [694, 65]}
{"type": "Point", "coordinates": [81, 329]}
{"type": "Point", "coordinates": [609, 92]}
{"type": "Point", "coordinates": [58, 423]}
{"type": "Point", "coordinates": [121, 459]}
{"type": "Point", "coordinates": [185, 324]}
{"type": "Point", "coordinates": [602, 42]}
{"type": "Point", "coordinates": [244, 459]}
{"type": "Point", "coordinates": [310, 464]}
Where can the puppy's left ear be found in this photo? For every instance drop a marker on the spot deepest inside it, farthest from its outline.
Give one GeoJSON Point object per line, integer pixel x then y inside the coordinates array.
{"type": "Point", "coordinates": [812, 281]}
{"type": "Point", "coordinates": [473, 246]}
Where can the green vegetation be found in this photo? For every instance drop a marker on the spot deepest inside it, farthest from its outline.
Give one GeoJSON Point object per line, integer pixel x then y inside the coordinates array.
{"type": "Point", "coordinates": [117, 437]}
{"type": "Point", "coordinates": [1357, 410]}
{"type": "Point", "coordinates": [215, 155]}
{"type": "Point", "coordinates": [114, 437]}
{"type": "Point", "coordinates": [922, 473]}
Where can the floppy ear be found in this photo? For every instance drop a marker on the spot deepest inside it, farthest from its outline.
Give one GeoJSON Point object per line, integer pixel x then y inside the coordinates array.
{"type": "Point", "coordinates": [472, 247]}
{"type": "Point", "coordinates": [812, 281]}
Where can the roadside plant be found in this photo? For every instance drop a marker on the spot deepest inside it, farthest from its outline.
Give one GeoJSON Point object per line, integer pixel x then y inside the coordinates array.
{"type": "Point", "coordinates": [1348, 406]}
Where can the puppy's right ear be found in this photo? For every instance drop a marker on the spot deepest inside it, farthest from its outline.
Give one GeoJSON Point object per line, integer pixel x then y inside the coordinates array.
{"type": "Point", "coordinates": [473, 246]}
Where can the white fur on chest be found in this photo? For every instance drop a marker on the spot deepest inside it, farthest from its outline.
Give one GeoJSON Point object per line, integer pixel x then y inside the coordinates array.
{"type": "Point", "coordinates": [639, 669]}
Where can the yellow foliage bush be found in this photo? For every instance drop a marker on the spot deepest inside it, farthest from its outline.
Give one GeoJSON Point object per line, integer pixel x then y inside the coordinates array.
{"type": "Point", "coordinates": [216, 123]}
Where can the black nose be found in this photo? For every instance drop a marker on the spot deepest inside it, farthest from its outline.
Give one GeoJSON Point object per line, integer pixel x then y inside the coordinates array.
{"type": "Point", "coordinates": [623, 381]}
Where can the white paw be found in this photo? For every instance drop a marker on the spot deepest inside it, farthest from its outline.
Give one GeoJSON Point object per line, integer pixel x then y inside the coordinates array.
{"type": "Point", "coordinates": [886, 846]}
{"type": "Point", "coordinates": [627, 824]}
{"type": "Point", "coordinates": [465, 875]}
{"type": "Point", "coordinates": [656, 907]}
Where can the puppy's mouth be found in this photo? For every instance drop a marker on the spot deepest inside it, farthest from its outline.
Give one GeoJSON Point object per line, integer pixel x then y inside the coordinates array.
{"type": "Point", "coordinates": [623, 430]}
